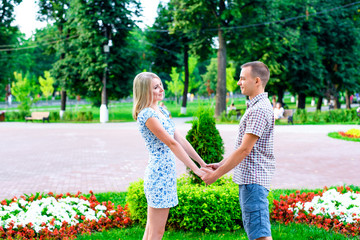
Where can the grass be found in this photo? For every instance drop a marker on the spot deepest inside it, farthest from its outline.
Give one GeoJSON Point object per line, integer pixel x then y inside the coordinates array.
{"type": "Point", "coordinates": [336, 135]}
{"type": "Point", "coordinates": [279, 231]}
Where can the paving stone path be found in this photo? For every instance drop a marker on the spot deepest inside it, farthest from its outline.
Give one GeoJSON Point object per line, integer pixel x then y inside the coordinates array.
{"type": "Point", "coordinates": [57, 157]}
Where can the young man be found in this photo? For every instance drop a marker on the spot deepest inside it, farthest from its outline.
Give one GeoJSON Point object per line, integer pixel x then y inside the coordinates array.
{"type": "Point", "coordinates": [253, 158]}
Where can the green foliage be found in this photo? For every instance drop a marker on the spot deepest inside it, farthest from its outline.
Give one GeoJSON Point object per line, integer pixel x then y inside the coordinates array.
{"type": "Point", "coordinates": [176, 85]}
{"type": "Point", "coordinates": [231, 83]}
{"type": "Point", "coordinates": [209, 79]}
{"type": "Point", "coordinates": [205, 138]}
{"type": "Point", "coordinates": [78, 116]}
{"type": "Point", "coordinates": [22, 90]}
{"type": "Point", "coordinates": [204, 208]}
{"type": "Point", "coordinates": [46, 84]}
{"type": "Point", "coordinates": [54, 116]}
{"type": "Point", "coordinates": [300, 115]}
{"type": "Point", "coordinates": [137, 202]}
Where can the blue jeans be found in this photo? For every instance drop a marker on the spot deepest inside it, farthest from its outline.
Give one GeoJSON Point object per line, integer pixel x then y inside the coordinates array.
{"type": "Point", "coordinates": [255, 210]}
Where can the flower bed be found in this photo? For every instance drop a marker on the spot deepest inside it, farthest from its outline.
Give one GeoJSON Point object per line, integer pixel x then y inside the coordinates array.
{"type": "Point", "coordinates": [58, 217]}
{"type": "Point", "coordinates": [335, 209]}
{"type": "Point", "coordinates": [352, 133]}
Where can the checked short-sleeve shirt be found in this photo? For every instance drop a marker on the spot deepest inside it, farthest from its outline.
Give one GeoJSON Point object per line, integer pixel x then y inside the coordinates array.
{"type": "Point", "coordinates": [259, 166]}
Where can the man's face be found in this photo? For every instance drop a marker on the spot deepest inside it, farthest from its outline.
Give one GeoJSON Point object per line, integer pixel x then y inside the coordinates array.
{"type": "Point", "coordinates": [246, 82]}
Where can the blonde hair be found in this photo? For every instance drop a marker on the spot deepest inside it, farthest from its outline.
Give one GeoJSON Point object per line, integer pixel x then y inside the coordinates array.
{"type": "Point", "coordinates": [142, 94]}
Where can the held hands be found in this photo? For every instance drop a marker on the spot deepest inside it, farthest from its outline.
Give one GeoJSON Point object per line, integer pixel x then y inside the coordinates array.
{"type": "Point", "coordinates": [213, 166]}
{"type": "Point", "coordinates": [209, 176]}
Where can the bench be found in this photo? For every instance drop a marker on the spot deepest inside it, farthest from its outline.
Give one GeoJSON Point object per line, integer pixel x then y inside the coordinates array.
{"type": "Point", "coordinates": [288, 114]}
{"type": "Point", "coordinates": [38, 116]}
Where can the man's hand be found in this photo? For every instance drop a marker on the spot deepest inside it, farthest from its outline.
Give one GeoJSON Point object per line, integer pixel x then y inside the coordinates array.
{"type": "Point", "coordinates": [209, 177]}
{"type": "Point", "coordinates": [213, 166]}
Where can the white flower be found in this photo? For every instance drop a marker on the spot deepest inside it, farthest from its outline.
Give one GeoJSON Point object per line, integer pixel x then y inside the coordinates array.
{"type": "Point", "coordinates": [346, 207]}
{"type": "Point", "coordinates": [22, 212]}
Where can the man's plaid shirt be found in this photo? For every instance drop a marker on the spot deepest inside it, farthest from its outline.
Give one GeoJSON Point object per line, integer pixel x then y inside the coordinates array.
{"type": "Point", "coordinates": [259, 166]}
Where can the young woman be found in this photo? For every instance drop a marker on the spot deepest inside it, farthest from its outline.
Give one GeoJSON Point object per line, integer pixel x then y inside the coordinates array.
{"type": "Point", "coordinates": [162, 142]}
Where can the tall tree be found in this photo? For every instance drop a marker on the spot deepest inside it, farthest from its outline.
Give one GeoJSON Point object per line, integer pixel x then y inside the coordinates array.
{"type": "Point", "coordinates": [56, 11]}
{"type": "Point", "coordinates": [200, 21]}
{"type": "Point", "coordinates": [169, 47]}
{"type": "Point", "coordinates": [9, 36]}
{"type": "Point", "coordinates": [339, 36]}
{"type": "Point", "coordinates": [98, 23]}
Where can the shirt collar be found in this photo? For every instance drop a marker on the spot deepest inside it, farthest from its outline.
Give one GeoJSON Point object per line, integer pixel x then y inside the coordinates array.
{"type": "Point", "coordinates": [257, 98]}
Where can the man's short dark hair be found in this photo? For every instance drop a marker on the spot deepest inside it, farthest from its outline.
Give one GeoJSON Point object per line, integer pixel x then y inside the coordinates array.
{"type": "Point", "coordinates": [258, 69]}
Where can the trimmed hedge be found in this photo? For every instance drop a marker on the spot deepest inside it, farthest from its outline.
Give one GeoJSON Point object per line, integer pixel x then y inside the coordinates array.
{"type": "Point", "coordinates": [54, 116]}
{"type": "Point", "coordinates": [206, 208]}
{"type": "Point", "coordinates": [332, 116]}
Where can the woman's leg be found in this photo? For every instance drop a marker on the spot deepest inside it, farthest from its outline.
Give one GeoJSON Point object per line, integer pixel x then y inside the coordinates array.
{"type": "Point", "coordinates": [155, 225]}
{"type": "Point", "coordinates": [146, 233]}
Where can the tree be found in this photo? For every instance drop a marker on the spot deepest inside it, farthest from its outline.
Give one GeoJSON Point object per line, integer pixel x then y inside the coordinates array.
{"type": "Point", "coordinates": [22, 90]}
{"type": "Point", "coordinates": [9, 39]}
{"type": "Point", "coordinates": [197, 19]}
{"type": "Point", "coordinates": [57, 11]}
{"type": "Point", "coordinates": [209, 79]}
{"type": "Point", "coordinates": [339, 37]}
{"type": "Point", "coordinates": [95, 23]}
{"type": "Point", "coordinates": [163, 41]}
{"type": "Point", "coordinates": [231, 83]}
{"type": "Point", "coordinates": [46, 84]}
{"type": "Point", "coordinates": [176, 85]}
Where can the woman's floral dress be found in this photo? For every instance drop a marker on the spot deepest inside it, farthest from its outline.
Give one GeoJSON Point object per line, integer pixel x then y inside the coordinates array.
{"type": "Point", "coordinates": [160, 174]}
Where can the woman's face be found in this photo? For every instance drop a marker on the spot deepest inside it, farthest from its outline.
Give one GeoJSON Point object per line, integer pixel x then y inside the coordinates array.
{"type": "Point", "coordinates": [157, 90]}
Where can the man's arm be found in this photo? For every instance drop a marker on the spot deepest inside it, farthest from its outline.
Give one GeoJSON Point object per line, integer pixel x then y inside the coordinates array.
{"type": "Point", "coordinates": [233, 160]}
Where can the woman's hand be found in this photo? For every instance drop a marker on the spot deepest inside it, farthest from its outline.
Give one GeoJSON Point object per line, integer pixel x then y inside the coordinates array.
{"type": "Point", "coordinates": [199, 172]}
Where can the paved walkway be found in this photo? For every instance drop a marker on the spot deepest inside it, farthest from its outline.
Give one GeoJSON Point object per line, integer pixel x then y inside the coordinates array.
{"type": "Point", "coordinates": [37, 157]}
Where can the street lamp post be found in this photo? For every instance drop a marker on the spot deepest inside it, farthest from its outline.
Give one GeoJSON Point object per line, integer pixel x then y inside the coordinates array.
{"type": "Point", "coordinates": [104, 112]}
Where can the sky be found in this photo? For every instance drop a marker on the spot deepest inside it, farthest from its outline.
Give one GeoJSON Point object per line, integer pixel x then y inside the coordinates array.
{"type": "Point", "coordinates": [26, 13]}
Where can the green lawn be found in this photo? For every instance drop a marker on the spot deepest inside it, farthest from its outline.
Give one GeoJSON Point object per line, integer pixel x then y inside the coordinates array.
{"type": "Point", "coordinates": [279, 231]}
{"type": "Point", "coordinates": [336, 135]}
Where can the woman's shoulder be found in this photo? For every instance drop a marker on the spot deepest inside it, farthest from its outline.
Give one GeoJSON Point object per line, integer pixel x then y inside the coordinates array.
{"type": "Point", "coordinates": [145, 114]}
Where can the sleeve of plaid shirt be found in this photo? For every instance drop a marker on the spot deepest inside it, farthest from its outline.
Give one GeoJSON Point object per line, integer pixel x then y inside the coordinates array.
{"type": "Point", "coordinates": [257, 122]}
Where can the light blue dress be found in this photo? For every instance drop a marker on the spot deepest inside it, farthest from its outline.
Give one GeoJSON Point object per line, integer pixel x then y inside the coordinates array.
{"type": "Point", "coordinates": [160, 174]}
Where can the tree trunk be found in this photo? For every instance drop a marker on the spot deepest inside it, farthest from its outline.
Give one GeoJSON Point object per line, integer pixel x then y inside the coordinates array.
{"type": "Point", "coordinates": [103, 90]}
{"type": "Point", "coordinates": [301, 101]}
{"type": "Point", "coordinates": [347, 99]}
{"type": "Point", "coordinates": [337, 104]}
{"type": "Point", "coordinates": [186, 83]}
{"type": "Point", "coordinates": [63, 100]}
{"type": "Point", "coordinates": [319, 103]}
{"type": "Point", "coordinates": [281, 96]}
{"type": "Point", "coordinates": [221, 84]}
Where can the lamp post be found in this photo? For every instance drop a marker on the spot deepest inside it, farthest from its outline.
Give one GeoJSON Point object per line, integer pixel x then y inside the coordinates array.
{"type": "Point", "coordinates": [104, 113]}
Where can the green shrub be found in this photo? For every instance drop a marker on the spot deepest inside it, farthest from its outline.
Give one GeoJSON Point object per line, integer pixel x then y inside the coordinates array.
{"type": "Point", "coordinates": [136, 201]}
{"type": "Point", "coordinates": [68, 116]}
{"type": "Point", "coordinates": [300, 116]}
{"type": "Point", "coordinates": [317, 116]}
{"type": "Point", "coordinates": [10, 116]}
{"type": "Point", "coordinates": [206, 208]}
{"type": "Point", "coordinates": [89, 116]}
{"type": "Point", "coordinates": [205, 138]}
{"type": "Point", "coordinates": [81, 116]}
{"type": "Point", "coordinates": [54, 116]}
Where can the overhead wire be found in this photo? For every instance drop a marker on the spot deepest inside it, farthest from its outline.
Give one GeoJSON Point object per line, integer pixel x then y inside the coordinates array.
{"type": "Point", "coordinates": [6, 48]}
